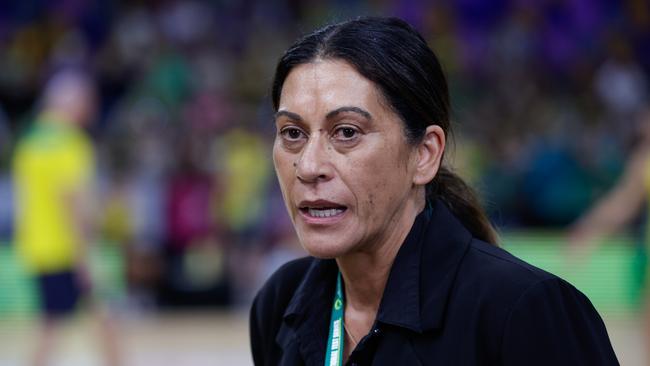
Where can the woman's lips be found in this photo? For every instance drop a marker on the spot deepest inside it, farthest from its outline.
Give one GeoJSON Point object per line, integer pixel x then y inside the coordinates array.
{"type": "Point", "coordinates": [321, 212]}
{"type": "Point", "coordinates": [322, 216]}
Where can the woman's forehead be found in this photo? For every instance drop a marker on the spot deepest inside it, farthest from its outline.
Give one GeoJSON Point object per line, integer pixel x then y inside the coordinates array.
{"type": "Point", "coordinates": [325, 85]}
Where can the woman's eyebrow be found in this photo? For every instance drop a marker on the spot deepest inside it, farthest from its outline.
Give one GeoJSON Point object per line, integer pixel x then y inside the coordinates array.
{"type": "Point", "coordinates": [357, 110]}
{"type": "Point", "coordinates": [290, 115]}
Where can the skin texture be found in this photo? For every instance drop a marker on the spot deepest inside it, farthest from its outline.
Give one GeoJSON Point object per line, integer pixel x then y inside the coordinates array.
{"type": "Point", "coordinates": [338, 144]}
{"type": "Point", "coordinates": [348, 159]}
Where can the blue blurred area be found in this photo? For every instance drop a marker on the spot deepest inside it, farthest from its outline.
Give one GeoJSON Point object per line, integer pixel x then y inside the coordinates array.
{"type": "Point", "coordinates": [545, 97]}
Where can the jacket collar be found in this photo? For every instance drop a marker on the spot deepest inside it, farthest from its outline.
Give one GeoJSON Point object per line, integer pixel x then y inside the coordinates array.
{"type": "Point", "coordinates": [416, 293]}
{"type": "Point", "coordinates": [307, 316]}
{"type": "Point", "coordinates": [423, 274]}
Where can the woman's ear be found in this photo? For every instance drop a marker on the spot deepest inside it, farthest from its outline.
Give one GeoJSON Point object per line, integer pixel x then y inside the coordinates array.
{"type": "Point", "coordinates": [429, 155]}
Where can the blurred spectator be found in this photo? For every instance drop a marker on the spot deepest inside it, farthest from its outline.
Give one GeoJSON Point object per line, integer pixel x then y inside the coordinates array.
{"type": "Point", "coordinates": [196, 253]}
{"type": "Point", "coordinates": [244, 173]}
{"type": "Point", "coordinates": [618, 209]}
{"type": "Point", "coordinates": [621, 86]}
{"type": "Point", "coordinates": [53, 172]}
{"type": "Point", "coordinates": [6, 189]}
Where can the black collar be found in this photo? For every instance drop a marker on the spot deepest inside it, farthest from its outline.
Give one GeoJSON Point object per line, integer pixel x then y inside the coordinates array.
{"type": "Point", "coordinates": [424, 271]}
{"type": "Point", "coordinates": [416, 293]}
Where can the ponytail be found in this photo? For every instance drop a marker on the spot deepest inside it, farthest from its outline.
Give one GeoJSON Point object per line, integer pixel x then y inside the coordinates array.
{"type": "Point", "coordinates": [463, 203]}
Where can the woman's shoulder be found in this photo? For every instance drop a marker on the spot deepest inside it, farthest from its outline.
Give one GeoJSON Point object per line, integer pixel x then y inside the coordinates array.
{"type": "Point", "coordinates": [502, 276]}
{"type": "Point", "coordinates": [539, 315]}
{"type": "Point", "coordinates": [273, 299]}
{"type": "Point", "coordinates": [499, 262]}
{"type": "Point", "coordinates": [283, 283]}
{"type": "Point", "coordinates": [270, 304]}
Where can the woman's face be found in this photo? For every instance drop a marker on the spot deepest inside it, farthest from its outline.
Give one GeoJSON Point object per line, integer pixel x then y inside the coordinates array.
{"type": "Point", "coordinates": [343, 161]}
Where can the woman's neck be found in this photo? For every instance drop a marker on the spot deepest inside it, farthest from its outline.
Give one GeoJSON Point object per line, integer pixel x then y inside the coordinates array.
{"type": "Point", "coordinates": [365, 273]}
{"type": "Point", "coordinates": [365, 276]}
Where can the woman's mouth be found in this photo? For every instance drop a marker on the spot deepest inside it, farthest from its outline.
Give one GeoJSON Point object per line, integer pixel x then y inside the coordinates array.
{"type": "Point", "coordinates": [321, 211]}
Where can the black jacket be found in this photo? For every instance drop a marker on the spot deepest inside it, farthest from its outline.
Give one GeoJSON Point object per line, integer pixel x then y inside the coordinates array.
{"type": "Point", "coordinates": [450, 299]}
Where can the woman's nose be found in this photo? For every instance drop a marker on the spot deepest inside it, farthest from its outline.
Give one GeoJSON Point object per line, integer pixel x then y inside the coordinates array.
{"type": "Point", "coordinates": [314, 164]}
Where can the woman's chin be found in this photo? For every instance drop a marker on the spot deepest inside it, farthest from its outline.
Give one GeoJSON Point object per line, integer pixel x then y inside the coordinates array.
{"type": "Point", "coordinates": [325, 250]}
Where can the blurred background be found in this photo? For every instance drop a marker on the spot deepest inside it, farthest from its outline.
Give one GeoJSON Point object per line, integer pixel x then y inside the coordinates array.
{"type": "Point", "coordinates": [189, 221]}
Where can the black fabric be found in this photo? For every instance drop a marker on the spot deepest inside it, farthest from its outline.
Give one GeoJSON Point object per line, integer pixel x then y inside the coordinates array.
{"type": "Point", "coordinates": [450, 299]}
{"type": "Point", "coordinates": [58, 292]}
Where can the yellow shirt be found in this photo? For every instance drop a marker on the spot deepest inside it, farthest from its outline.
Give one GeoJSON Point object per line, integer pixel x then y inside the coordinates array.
{"type": "Point", "coordinates": [51, 162]}
{"type": "Point", "coordinates": [245, 173]}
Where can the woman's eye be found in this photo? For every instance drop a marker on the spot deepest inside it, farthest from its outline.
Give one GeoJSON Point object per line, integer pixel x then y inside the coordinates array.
{"type": "Point", "coordinates": [291, 133]}
{"type": "Point", "coordinates": [346, 133]}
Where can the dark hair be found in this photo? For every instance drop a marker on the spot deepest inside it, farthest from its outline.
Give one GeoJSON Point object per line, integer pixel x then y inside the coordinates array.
{"type": "Point", "coordinates": [390, 53]}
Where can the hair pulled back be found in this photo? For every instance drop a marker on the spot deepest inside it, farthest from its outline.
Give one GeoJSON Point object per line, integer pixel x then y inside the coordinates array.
{"type": "Point", "coordinates": [394, 56]}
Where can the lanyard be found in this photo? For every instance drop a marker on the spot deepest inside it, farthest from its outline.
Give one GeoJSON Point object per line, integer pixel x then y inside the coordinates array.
{"type": "Point", "coordinates": [334, 353]}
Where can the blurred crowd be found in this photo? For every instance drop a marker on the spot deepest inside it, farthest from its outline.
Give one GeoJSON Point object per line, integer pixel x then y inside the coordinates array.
{"type": "Point", "coordinates": [545, 96]}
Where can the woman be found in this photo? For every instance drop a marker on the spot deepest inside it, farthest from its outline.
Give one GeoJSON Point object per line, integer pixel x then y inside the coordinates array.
{"type": "Point", "coordinates": [405, 269]}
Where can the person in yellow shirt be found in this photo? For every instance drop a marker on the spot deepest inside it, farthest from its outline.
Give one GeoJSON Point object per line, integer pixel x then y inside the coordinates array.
{"type": "Point", "coordinates": [53, 169]}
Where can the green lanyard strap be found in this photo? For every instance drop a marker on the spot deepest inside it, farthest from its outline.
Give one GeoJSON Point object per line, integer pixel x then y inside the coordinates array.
{"type": "Point", "coordinates": [335, 341]}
